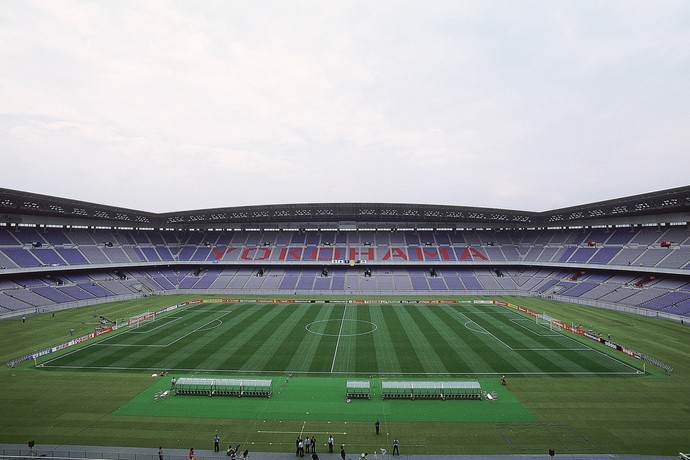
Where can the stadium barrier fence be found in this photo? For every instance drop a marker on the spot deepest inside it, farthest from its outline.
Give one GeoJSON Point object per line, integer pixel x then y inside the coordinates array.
{"type": "Point", "coordinates": [9, 454]}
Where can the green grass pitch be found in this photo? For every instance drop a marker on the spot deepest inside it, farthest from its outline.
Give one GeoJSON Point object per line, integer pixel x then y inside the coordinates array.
{"type": "Point", "coordinates": [563, 391]}
{"type": "Point", "coordinates": [344, 339]}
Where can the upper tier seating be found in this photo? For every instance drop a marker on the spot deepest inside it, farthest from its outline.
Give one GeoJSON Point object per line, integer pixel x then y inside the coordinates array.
{"type": "Point", "coordinates": [22, 247]}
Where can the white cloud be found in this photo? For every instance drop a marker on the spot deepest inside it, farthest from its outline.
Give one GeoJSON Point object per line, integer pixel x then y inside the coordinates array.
{"type": "Point", "coordinates": [210, 104]}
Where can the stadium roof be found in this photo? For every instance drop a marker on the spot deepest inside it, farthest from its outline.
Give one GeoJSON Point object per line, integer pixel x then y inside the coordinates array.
{"type": "Point", "coordinates": [665, 206]}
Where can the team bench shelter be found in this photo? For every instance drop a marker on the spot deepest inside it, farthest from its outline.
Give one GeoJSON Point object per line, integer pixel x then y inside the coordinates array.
{"type": "Point", "coordinates": [222, 387]}
{"type": "Point", "coordinates": [358, 389]}
{"type": "Point", "coordinates": [431, 390]}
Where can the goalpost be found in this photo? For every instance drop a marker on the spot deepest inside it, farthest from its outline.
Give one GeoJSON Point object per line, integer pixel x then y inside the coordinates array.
{"type": "Point", "coordinates": [136, 321]}
{"type": "Point", "coordinates": [544, 319]}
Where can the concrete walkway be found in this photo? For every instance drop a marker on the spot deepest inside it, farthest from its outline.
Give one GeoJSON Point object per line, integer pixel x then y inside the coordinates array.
{"type": "Point", "coordinates": [10, 451]}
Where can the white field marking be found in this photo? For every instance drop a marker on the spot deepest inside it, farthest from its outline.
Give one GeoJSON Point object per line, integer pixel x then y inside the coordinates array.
{"type": "Point", "coordinates": [165, 323]}
{"type": "Point", "coordinates": [300, 432]}
{"type": "Point", "coordinates": [469, 320]}
{"type": "Point", "coordinates": [374, 328]}
{"type": "Point", "coordinates": [170, 318]}
{"type": "Point", "coordinates": [337, 343]}
{"type": "Point", "coordinates": [411, 374]}
{"type": "Point", "coordinates": [551, 349]}
{"type": "Point", "coordinates": [586, 348]}
{"type": "Point", "coordinates": [199, 329]}
{"type": "Point", "coordinates": [537, 333]}
{"type": "Point", "coordinates": [195, 307]}
{"type": "Point", "coordinates": [69, 353]}
{"type": "Point", "coordinates": [553, 334]}
{"type": "Point", "coordinates": [489, 312]}
{"type": "Point", "coordinates": [220, 323]}
{"type": "Point", "coordinates": [478, 331]}
{"type": "Point", "coordinates": [93, 344]}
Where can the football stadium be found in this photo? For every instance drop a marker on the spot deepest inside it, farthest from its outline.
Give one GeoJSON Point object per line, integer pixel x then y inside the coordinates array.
{"type": "Point", "coordinates": [432, 329]}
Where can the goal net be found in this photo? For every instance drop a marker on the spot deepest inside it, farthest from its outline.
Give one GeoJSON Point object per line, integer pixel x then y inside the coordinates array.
{"type": "Point", "coordinates": [136, 321]}
{"type": "Point", "coordinates": [546, 321]}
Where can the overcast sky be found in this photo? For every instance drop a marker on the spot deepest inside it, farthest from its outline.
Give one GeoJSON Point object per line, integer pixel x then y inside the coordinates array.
{"type": "Point", "coordinates": [169, 106]}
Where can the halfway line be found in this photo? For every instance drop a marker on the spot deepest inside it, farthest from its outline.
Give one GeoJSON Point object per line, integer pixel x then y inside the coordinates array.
{"type": "Point", "coordinates": [340, 333]}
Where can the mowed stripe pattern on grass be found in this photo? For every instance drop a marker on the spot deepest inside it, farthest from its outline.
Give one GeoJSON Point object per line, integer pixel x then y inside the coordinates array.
{"type": "Point", "coordinates": [351, 339]}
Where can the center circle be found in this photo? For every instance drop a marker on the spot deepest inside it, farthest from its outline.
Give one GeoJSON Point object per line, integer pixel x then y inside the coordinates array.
{"type": "Point", "coordinates": [351, 327]}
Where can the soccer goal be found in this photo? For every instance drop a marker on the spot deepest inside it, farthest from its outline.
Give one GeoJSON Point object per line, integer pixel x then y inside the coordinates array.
{"type": "Point", "coordinates": [546, 321]}
{"type": "Point", "coordinates": [136, 321]}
